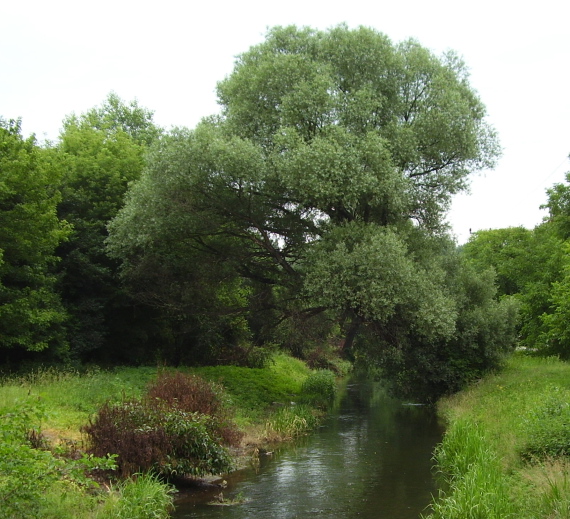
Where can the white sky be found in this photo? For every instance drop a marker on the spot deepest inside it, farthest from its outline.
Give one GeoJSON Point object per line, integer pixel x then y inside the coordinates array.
{"type": "Point", "coordinates": [64, 56]}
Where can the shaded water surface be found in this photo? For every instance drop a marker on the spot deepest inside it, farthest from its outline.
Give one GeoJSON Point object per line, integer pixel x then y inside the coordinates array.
{"type": "Point", "coordinates": [371, 459]}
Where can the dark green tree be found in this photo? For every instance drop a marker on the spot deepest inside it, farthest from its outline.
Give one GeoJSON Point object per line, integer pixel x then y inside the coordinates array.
{"type": "Point", "coordinates": [527, 263]}
{"type": "Point", "coordinates": [550, 324]}
{"type": "Point", "coordinates": [114, 115]}
{"type": "Point", "coordinates": [177, 252]}
{"type": "Point", "coordinates": [99, 153]}
{"type": "Point", "coordinates": [31, 313]}
{"type": "Point", "coordinates": [558, 206]}
{"type": "Point", "coordinates": [553, 330]}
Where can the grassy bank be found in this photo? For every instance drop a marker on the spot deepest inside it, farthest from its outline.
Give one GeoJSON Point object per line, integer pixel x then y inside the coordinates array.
{"type": "Point", "coordinates": [505, 451]}
{"type": "Point", "coordinates": [42, 460]}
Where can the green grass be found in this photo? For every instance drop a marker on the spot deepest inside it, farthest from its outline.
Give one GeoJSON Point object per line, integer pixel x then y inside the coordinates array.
{"type": "Point", "coordinates": [61, 401]}
{"type": "Point", "coordinates": [69, 397]}
{"type": "Point", "coordinates": [505, 451]}
{"type": "Point", "coordinates": [141, 497]}
{"type": "Point", "coordinates": [252, 391]}
{"type": "Point", "coordinates": [471, 477]}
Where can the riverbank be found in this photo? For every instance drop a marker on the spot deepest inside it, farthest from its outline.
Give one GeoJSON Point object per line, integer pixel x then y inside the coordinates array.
{"type": "Point", "coordinates": [42, 465]}
{"type": "Point", "coordinates": [370, 458]}
{"type": "Point", "coordinates": [504, 452]}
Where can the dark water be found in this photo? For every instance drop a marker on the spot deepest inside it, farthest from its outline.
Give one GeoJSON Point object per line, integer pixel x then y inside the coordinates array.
{"type": "Point", "coordinates": [371, 459]}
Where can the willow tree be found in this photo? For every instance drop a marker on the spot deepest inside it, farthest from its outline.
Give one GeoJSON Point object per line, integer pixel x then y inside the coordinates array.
{"type": "Point", "coordinates": [323, 182]}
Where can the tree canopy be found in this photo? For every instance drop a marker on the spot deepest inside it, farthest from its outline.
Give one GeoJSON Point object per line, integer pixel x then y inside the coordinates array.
{"type": "Point", "coordinates": [309, 213]}
{"type": "Point", "coordinates": [354, 121]}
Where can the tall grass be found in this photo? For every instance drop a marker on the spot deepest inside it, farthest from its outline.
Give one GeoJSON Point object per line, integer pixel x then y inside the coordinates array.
{"type": "Point", "coordinates": [543, 490]}
{"type": "Point", "coordinates": [504, 454]}
{"type": "Point", "coordinates": [473, 483]}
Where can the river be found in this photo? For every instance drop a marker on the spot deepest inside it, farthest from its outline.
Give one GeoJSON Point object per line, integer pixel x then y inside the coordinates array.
{"type": "Point", "coordinates": [370, 459]}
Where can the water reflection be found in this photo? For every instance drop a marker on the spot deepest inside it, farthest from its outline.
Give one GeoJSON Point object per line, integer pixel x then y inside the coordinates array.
{"type": "Point", "coordinates": [371, 459]}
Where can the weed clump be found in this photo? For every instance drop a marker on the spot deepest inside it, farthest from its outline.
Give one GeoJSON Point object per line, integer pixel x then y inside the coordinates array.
{"type": "Point", "coordinates": [290, 422]}
{"type": "Point", "coordinates": [320, 387]}
{"type": "Point", "coordinates": [137, 498]}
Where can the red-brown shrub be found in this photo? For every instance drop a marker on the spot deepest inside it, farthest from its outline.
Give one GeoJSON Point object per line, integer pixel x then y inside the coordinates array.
{"type": "Point", "coordinates": [125, 430]}
{"type": "Point", "coordinates": [149, 436]}
{"type": "Point", "coordinates": [188, 393]}
{"type": "Point", "coordinates": [193, 394]}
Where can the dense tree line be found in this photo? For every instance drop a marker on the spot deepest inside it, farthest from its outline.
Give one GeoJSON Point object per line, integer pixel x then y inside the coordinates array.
{"type": "Point", "coordinates": [61, 293]}
{"type": "Point", "coordinates": [533, 266]}
{"type": "Point", "coordinates": [308, 214]}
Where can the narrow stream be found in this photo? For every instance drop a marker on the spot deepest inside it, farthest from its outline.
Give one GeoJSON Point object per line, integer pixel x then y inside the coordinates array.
{"type": "Point", "coordinates": [371, 459]}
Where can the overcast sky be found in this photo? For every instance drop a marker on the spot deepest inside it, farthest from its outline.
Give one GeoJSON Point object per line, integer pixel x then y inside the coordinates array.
{"type": "Point", "coordinates": [59, 57]}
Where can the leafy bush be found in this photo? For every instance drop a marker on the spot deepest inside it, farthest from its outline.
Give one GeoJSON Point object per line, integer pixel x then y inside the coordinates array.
{"type": "Point", "coordinates": [25, 472]}
{"type": "Point", "coordinates": [177, 428]}
{"type": "Point", "coordinates": [246, 355]}
{"type": "Point", "coordinates": [326, 358]}
{"type": "Point", "coordinates": [28, 475]}
{"type": "Point", "coordinates": [320, 387]}
{"type": "Point", "coordinates": [423, 366]}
